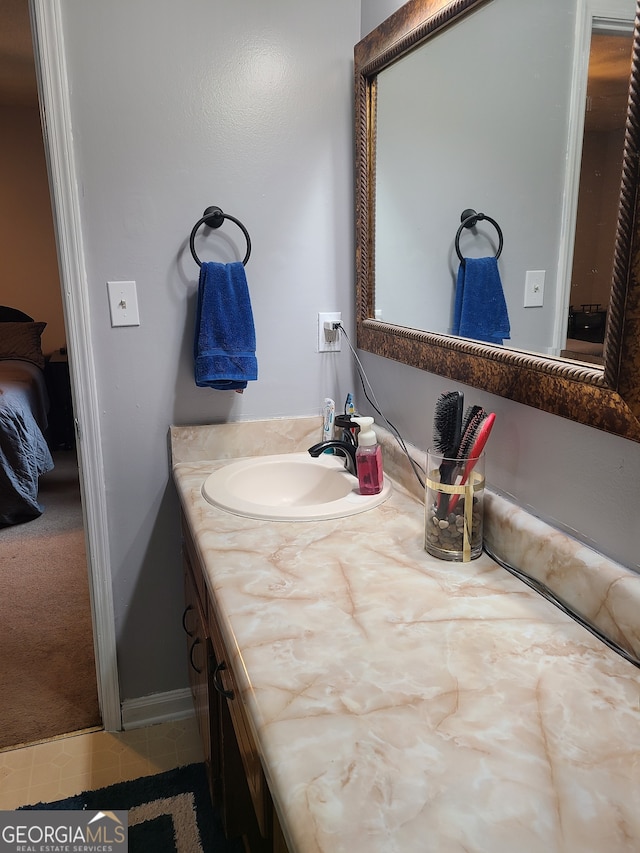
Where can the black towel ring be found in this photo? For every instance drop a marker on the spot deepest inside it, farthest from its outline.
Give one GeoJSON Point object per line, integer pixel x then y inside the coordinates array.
{"type": "Point", "coordinates": [469, 218]}
{"type": "Point", "coordinates": [214, 217]}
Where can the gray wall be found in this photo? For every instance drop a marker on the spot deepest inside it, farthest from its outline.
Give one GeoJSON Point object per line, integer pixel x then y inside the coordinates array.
{"type": "Point", "coordinates": [177, 106]}
{"type": "Point", "coordinates": [580, 479]}
{"type": "Point", "coordinates": [248, 105]}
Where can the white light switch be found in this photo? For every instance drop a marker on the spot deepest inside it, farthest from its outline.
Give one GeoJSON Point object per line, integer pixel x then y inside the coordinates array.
{"type": "Point", "coordinates": [534, 289]}
{"type": "Point", "coordinates": [123, 303]}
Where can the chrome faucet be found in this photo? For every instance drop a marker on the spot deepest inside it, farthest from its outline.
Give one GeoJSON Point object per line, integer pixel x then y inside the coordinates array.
{"type": "Point", "coordinates": [344, 447]}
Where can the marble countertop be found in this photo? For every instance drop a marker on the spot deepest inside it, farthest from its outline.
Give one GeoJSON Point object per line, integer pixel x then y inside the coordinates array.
{"type": "Point", "coordinates": [401, 703]}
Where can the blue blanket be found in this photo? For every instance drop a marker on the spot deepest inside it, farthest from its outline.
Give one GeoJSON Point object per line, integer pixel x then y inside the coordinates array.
{"type": "Point", "coordinates": [24, 454]}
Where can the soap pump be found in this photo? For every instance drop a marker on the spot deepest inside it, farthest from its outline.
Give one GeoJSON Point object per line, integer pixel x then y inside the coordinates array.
{"type": "Point", "coordinates": [368, 458]}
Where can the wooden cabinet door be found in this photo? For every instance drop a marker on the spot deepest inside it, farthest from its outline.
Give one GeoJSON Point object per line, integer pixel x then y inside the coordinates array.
{"type": "Point", "coordinates": [199, 655]}
{"type": "Point", "coordinates": [253, 773]}
{"type": "Point", "coordinates": [237, 780]}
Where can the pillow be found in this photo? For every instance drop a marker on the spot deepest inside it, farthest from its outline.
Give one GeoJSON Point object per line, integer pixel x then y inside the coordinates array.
{"type": "Point", "coordinates": [13, 315]}
{"type": "Point", "coordinates": [22, 340]}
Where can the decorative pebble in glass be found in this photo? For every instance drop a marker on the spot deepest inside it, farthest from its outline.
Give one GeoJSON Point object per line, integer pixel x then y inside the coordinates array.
{"type": "Point", "coordinates": [454, 507]}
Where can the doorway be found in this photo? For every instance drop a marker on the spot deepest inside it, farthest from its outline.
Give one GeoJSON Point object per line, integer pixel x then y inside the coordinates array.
{"type": "Point", "coordinates": [44, 17]}
{"type": "Point", "coordinates": [48, 668]}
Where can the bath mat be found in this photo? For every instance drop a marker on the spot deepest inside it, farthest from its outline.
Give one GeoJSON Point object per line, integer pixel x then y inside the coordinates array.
{"type": "Point", "coordinates": [170, 812]}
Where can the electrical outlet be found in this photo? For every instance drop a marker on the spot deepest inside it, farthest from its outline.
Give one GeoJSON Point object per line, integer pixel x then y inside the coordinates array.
{"type": "Point", "coordinates": [123, 303]}
{"type": "Point", "coordinates": [329, 339]}
{"type": "Point", "coordinates": [534, 288]}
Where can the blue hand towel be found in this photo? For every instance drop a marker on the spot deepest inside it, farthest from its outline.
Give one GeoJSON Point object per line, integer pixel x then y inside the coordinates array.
{"type": "Point", "coordinates": [225, 338]}
{"type": "Point", "coordinates": [480, 309]}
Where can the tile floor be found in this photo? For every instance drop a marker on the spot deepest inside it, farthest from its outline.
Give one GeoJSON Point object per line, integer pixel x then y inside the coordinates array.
{"type": "Point", "coordinates": [58, 768]}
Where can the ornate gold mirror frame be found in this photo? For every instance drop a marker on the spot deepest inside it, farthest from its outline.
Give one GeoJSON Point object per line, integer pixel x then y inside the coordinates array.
{"type": "Point", "coordinates": [607, 399]}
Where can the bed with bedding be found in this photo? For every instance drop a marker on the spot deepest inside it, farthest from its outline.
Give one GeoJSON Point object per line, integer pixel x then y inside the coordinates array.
{"type": "Point", "coordinates": [24, 453]}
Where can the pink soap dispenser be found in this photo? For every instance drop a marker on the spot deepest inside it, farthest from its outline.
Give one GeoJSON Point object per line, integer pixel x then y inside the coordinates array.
{"type": "Point", "coordinates": [368, 458]}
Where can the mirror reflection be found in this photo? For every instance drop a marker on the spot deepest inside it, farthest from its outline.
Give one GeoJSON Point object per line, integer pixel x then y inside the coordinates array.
{"type": "Point", "coordinates": [605, 113]}
{"type": "Point", "coordinates": [535, 145]}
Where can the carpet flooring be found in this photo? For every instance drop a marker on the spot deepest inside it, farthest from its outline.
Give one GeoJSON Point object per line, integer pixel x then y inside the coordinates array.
{"type": "Point", "coordinates": [168, 813]}
{"type": "Point", "coordinates": [47, 666]}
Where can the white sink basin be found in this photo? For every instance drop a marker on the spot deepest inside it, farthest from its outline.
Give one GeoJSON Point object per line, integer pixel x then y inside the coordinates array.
{"type": "Point", "coordinates": [289, 487]}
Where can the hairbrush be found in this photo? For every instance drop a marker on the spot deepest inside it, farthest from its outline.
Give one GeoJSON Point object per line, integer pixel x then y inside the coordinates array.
{"type": "Point", "coordinates": [477, 440]}
{"type": "Point", "coordinates": [447, 432]}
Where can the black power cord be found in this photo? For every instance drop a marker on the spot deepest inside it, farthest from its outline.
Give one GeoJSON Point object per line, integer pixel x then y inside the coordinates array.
{"type": "Point", "coordinates": [417, 469]}
{"type": "Point", "coordinates": [547, 593]}
{"type": "Point", "coordinates": [536, 585]}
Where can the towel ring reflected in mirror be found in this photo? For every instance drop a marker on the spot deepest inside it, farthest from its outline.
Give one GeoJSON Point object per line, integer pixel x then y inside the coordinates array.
{"type": "Point", "coordinates": [214, 217]}
{"type": "Point", "coordinates": [469, 219]}
{"type": "Point", "coordinates": [607, 397]}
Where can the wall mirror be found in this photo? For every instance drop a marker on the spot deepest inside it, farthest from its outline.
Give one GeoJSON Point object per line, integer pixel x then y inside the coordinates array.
{"type": "Point", "coordinates": [430, 115]}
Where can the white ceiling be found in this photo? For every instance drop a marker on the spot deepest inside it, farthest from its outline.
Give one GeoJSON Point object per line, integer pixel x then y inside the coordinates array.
{"type": "Point", "coordinates": [17, 70]}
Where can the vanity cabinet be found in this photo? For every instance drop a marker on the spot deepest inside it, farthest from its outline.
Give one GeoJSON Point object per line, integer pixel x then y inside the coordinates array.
{"type": "Point", "coordinates": [199, 653]}
{"type": "Point", "coordinates": [236, 778]}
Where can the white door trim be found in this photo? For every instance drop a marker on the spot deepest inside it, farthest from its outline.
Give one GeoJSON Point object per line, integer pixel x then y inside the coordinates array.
{"type": "Point", "coordinates": [618, 14]}
{"type": "Point", "coordinates": [55, 112]}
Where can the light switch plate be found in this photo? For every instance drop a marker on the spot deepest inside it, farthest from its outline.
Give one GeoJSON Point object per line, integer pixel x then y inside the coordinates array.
{"type": "Point", "coordinates": [534, 289]}
{"type": "Point", "coordinates": [123, 303]}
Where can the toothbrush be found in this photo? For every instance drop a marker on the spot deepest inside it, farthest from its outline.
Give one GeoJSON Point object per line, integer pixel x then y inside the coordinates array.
{"type": "Point", "coordinates": [478, 446]}
{"type": "Point", "coordinates": [349, 430]}
{"type": "Point", "coordinates": [349, 408]}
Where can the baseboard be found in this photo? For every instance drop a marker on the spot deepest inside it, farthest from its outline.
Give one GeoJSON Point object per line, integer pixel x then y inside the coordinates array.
{"type": "Point", "coordinates": [157, 708]}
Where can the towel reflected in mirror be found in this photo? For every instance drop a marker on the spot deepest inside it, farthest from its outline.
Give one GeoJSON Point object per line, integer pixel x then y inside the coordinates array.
{"type": "Point", "coordinates": [480, 310]}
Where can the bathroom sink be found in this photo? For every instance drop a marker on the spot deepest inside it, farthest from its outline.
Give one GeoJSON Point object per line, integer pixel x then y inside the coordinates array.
{"type": "Point", "coordinates": [289, 487]}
